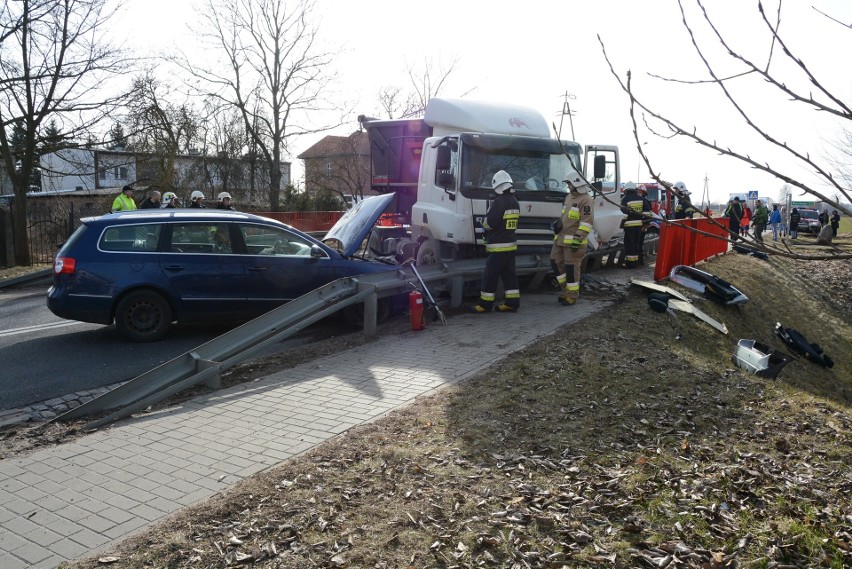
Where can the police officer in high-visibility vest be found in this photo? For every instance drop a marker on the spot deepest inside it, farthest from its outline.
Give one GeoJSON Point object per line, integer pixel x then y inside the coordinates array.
{"type": "Point", "coordinates": [633, 206]}
{"type": "Point", "coordinates": [569, 245]}
{"type": "Point", "coordinates": [500, 224]}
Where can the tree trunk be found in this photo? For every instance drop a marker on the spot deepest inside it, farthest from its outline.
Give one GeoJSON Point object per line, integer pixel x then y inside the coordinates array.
{"type": "Point", "coordinates": [275, 185]}
{"type": "Point", "coordinates": [19, 225]}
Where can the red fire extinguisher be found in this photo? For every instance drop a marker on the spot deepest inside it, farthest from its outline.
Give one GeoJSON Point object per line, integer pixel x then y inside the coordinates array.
{"type": "Point", "coordinates": [415, 308]}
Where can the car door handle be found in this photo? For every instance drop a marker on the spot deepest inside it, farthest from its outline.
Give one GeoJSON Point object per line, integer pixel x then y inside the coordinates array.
{"type": "Point", "coordinates": [258, 269]}
{"type": "Point", "coordinates": [174, 268]}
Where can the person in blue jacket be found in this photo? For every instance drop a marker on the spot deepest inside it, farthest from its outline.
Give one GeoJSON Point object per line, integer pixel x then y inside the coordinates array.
{"type": "Point", "coordinates": [775, 221]}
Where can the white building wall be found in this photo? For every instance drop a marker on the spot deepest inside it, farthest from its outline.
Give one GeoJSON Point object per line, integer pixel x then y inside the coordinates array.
{"type": "Point", "coordinates": [68, 170]}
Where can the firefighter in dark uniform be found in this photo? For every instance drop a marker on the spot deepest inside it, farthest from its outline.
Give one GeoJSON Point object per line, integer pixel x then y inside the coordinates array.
{"type": "Point", "coordinates": [569, 245]}
{"type": "Point", "coordinates": [500, 224]}
{"type": "Point", "coordinates": [684, 208]}
{"type": "Point", "coordinates": [646, 222]}
{"type": "Point", "coordinates": [634, 208]}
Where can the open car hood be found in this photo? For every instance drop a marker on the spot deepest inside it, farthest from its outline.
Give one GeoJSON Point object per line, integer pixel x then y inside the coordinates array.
{"type": "Point", "coordinates": [351, 229]}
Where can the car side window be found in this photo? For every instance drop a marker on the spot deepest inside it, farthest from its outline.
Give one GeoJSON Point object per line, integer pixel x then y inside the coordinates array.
{"type": "Point", "coordinates": [131, 238]}
{"type": "Point", "coordinates": [273, 241]}
{"type": "Point", "coordinates": [212, 238]}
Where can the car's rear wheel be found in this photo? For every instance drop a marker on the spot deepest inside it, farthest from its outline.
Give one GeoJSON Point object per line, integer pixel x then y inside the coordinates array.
{"type": "Point", "coordinates": [143, 316]}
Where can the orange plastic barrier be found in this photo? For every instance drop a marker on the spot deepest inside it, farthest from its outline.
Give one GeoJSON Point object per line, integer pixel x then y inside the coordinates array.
{"type": "Point", "coordinates": [305, 220]}
{"type": "Point", "coordinates": [679, 246]}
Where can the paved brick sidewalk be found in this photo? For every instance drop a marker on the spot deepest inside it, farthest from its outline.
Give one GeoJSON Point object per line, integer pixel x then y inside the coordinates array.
{"type": "Point", "coordinates": [67, 502]}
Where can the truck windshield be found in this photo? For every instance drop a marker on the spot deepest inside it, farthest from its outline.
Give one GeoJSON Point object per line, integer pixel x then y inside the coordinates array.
{"type": "Point", "coordinates": [534, 164]}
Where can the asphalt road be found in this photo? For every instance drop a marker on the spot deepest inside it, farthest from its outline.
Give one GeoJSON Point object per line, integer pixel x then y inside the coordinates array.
{"type": "Point", "coordinates": [43, 356]}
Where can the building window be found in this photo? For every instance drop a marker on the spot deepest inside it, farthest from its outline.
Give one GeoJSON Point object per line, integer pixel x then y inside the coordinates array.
{"type": "Point", "coordinates": [102, 174]}
{"type": "Point", "coordinates": [328, 168]}
{"type": "Point", "coordinates": [122, 173]}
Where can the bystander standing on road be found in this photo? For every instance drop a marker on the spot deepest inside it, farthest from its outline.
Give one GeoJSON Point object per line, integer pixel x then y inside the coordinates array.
{"type": "Point", "coordinates": [152, 201]}
{"type": "Point", "coordinates": [734, 213]}
{"type": "Point", "coordinates": [124, 200]}
{"type": "Point", "coordinates": [761, 217]}
{"type": "Point", "coordinates": [745, 222]}
{"type": "Point", "coordinates": [784, 228]}
{"type": "Point", "coordinates": [795, 218]}
{"type": "Point", "coordinates": [835, 223]}
{"type": "Point", "coordinates": [775, 221]}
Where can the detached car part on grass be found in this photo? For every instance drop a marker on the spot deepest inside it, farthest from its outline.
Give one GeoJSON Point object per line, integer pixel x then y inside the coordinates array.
{"type": "Point", "coordinates": [676, 301]}
{"type": "Point", "coordinates": [799, 345]}
{"type": "Point", "coordinates": [759, 359]}
{"type": "Point", "coordinates": [716, 289]}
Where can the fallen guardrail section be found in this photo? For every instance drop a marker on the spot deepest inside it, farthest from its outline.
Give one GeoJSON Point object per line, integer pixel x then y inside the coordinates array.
{"type": "Point", "coordinates": [204, 364]}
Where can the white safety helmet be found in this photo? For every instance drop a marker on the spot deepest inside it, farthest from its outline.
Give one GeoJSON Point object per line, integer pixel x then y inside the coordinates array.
{"type": "Point", "coordinates": [167, 198]}
{"type": "Point", "coordinates": [681, 188]}
{"type": "Point", "coordinates": [196, 195]}
{"type": "Point", "coordinates": [223, 195]}
{"type": "Point", "coordinates": [501, 182]}
{"type": "Point", "coordinates": [576, 182]}
{"type": "Point", "coordinates": [629, 186]}
{"type": "Point", "coordinates": [643, 191]}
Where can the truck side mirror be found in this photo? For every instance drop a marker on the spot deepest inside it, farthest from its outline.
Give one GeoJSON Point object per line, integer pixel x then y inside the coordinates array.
{"type": "Point", "coordinates": [446, 180]}
{"type": "Point", "coordinates": [600, 167]}
{"type": "Point", "coordinates": [444, 158]}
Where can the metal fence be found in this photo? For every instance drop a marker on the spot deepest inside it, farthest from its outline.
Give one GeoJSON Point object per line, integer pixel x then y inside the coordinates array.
{"type": "Point", "coordinates": [48, 227]}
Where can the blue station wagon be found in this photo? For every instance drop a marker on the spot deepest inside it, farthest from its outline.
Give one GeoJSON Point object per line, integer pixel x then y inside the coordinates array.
{"type": "Point", "coordinates": [145, 269]}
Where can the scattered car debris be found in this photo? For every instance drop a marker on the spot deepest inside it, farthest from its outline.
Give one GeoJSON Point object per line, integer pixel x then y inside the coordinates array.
{"type": "Point", "coordinates": [799, 345]}
{"type": "Point", "coordinates": [659, 302]}
{"type": "Point", "coordinates": [759, 359]}
{"type": "Point", "coordinates": [749, 251]}
{"type": "Point", "coordinates": [716, 289]}
{"type": "Point", "coordinates": [678, 302]}
{"type": "Point", "coordinates": [685, 306]}
{"type": "Point", "coordinates": [659, 288]}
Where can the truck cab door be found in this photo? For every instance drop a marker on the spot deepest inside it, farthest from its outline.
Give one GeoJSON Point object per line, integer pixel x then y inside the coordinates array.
{"type": "Point", "coordinates": [601, 167]}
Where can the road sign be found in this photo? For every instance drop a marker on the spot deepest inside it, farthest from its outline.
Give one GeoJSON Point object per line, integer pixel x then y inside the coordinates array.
{"type": "Point", "coordinates": [802, 204]}
{"type": "Point", "coordinates": [752, 194]}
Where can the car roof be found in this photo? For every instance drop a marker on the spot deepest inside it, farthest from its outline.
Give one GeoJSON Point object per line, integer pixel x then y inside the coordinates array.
{"type": "Point", "coordinates": [187, 214]}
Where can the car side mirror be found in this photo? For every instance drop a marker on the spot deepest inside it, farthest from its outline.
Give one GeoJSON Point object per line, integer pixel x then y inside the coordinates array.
{"type": "Point", "coordinates": [317, 252]}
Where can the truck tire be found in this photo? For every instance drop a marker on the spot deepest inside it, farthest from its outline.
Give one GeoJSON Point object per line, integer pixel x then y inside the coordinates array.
{"type": "Point", "coordinates": [427, 253]}
{"type": "Point", "coordinates": [143, 316]}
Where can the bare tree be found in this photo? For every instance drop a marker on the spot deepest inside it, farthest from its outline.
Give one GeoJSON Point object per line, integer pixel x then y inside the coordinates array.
{"type": "Point", "coordinates": [269, 69]}
{"type": "Point", "coordinates": [425, 83]}
{"type": "Point", "coordinates": [55, 65]}
{"type": "Point", "coordinates": [160, 129]}
{"type": "Point", "coordinates": [818, 98]}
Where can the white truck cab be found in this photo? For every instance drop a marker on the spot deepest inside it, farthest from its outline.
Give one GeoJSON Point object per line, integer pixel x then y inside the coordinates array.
{"type": "Point", "coordinates": [440, 168]}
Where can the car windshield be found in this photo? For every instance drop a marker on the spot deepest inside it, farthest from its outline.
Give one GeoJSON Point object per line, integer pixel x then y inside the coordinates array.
{"type": "Point", "coordinates": [809, 214]}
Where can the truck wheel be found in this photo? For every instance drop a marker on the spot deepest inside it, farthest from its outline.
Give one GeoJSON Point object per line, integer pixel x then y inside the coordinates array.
{"type": "Point", "coordinates": [427, 253]}
{"type": "Point", "coordinates": [143, 316]}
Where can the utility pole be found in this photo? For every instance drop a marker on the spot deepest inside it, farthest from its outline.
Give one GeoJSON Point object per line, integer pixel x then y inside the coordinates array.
{"type": "Point", "coordinates": [566, 110]}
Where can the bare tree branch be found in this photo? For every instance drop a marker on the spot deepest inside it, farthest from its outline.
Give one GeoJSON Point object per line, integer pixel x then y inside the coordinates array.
{"type": "Point", "coordinates": [55, 65]}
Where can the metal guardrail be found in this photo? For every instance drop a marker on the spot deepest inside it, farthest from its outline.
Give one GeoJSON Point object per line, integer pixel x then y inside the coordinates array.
{"type": "Point", "coordinates": [205, 363]}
